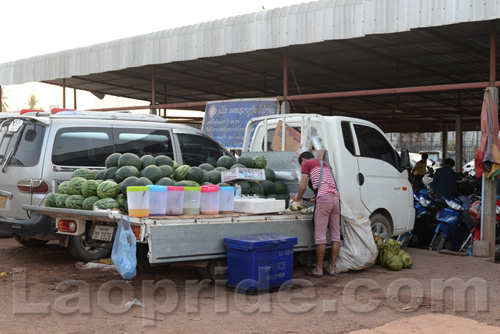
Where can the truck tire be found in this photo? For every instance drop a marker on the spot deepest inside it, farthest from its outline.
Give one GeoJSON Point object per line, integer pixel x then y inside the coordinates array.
{"type": "Point", "coordinates": [380, 226]}
{"type": "Point", "coordinates": [215, 271]}
{"type": "Point", "coordinates": [30, 242]}
{"type": "Point", "coordinates": [79, 249]}
{"type": "Point", "coordinates": [143, 263]}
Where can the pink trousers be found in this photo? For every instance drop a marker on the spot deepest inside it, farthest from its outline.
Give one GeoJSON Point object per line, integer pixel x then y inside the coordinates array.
{"type": "Point", "coordinates": [327, 214]}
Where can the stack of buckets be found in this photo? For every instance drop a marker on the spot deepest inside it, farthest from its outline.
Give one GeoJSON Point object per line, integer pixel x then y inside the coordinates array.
{"type": "Point", "coordinates": [155, 200]}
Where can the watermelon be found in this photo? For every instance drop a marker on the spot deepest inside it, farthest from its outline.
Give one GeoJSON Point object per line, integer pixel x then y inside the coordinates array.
{"type": "Point", "coordinates": [187, 183]}
{"type": "Point", "coordinates": [89, 188]}
{"type": "Point", "coordinates": [83, 172]}
{"type": "Point", "coordinates": [176, 165]}
{"type": "Point", "coordinates": [214, 176]}
{"type": "Point", "coordinates": [61, 200]}
{"type": "Point", "coordinates": [100, 175]}
{"type": "Point", "coordinates": [165, 181]}
{"type": "Point", "coordinates": [123, 172]}
{"type": "Point", "coordinates": [106, 203]}
{"type": "Point", "coordinates": [220, 169]}
{"type": "Point", "coordinates": [168, 171]}
{"type": "Point", "coordinates": [63, 187]}
{"type": "Point", "coordinates": [246, 189]}
{"type": "Point", "coordinates": [206, 166]}
{"type": "Point", "coordinates": [195, 174]}
{"type": "Point", "coordinates": [112, 160]}
{"type": "Point", "coordinates": [75, 185]}
{"type": "Point", "coordinates": [129, 159]}
{"type": "Point", "coordinates": [223, 184]}
{"type": "Point", "coordinates": [181, 172]}
{"type": "Point", "coordinates": [50, 200]}
{"type": "Point", "coordinates": [161, 160]}
{"type": "Point", "coordinates": [238, 165]}
{"type": "Point", "coordinates": [88, 203]}
{"type": "Point", "coordinates": [272, 196]}
{"type": "Point", "coordinates": [268, 186]}
{"type": "Point", "coordinates": [74, 202]}
{"type": "Point", "coordinates": [108, 189]}
{"type": "Point", "coordinates": [130, 181]}
{"type": "Point", "coordinates": [246, 161]}
{"type": "Point", "coordinates": [110, 173]}
{"type": "Point", "coordinates": [286, 197]}
{"type": "Point", "coordinates": [259, 161]}
{"type": "Point", "coordinates": [205, 176]}
{"type": "Point", "coordinates": [270, 175]}
{"type": "Point", "coordinates": [206, 184]}
{"type": "Point", "coordinates": [225, 161]}
{"type": "Point", "coordinates": [152, 172]}
{"type": "Point", "coordinates": [256, 189]}
{"type": "Point", "coordinates": [145, 181]}
{"type": "Point", "coordinates": [280, 187]}
{"type": "Point", "coordinates": [122, 202]}
{"type": "Point", "coordinates": [147, 160]}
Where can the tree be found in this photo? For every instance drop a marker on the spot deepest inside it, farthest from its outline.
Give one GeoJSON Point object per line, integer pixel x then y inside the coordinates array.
{"type": "Point", "coordinates": [32, 102]}
{"type": "Point", "coordinates": [4, 99]}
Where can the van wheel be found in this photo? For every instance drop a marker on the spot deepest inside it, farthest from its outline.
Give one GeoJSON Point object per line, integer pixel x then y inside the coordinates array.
{"type": "Point", "coordinates": [30, 242]}
{"type": "Point", "coordinates": [79, 249]}
{"type": "Point", "coordinates": [380, 226]}
{"type": "Point", "coordinates": [215, 271]}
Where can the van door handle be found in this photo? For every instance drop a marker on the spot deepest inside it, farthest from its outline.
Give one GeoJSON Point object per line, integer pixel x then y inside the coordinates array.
{"type": "Point", "coordinates": [361, 179]}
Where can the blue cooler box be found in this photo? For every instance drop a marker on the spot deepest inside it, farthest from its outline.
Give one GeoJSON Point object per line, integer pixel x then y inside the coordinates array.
{"type": "Point", "coordinates": [259, 261]}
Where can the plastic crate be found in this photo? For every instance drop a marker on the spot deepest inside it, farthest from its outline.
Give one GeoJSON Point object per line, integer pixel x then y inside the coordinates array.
{"type": "Point", "coordinates": [259, 262]}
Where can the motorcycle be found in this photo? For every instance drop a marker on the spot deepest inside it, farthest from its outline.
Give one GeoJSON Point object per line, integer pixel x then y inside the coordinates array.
{"type": "Point", "coordinates": [451, 226]}
{"type": "Point", "coordinates": [473, 218]}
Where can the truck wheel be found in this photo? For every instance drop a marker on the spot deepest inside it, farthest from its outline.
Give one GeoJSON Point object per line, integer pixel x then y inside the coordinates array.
{"type": "Point", "coordinates": [30, 242]}
{"type": "Point", "coordinates": [215, 271]}
{"type": "Point", "coordinates": [437, 242]}
{"type": "Point", "coordinates": [143, 261]}
{"type": "Point", "coordinates": [79, 249]}
{"type": "Point", "coordinates": [380, 226]}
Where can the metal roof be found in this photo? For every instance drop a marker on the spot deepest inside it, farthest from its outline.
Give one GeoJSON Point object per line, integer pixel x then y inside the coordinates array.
{"type": "Point", "coordinates": [331, 46]}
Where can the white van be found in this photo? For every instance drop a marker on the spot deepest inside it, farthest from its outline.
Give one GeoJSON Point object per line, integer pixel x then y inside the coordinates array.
{"type": "Point", "coordinates": [39, 150]}
{"type": "Point", "coordinates": [372, 177]}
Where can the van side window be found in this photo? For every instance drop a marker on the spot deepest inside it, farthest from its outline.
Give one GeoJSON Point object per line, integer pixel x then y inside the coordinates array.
{"type": "Point", "coordinates": [348, 140]}
{"type": "Point", "coordinates": [82, 147]}
{"type": "Point", "coordinates": [372, 144]}
{"type": "Point", "coordinates": [143, 142]}
{"type": "Point", "coordinates": [196, 150]}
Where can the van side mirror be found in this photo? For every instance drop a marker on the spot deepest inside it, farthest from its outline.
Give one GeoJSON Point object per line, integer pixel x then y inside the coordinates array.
{"type": "Point", "coordinates": [404, 161]}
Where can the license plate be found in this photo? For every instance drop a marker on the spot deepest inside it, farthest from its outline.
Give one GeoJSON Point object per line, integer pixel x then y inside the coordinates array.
{"type": "Point", "coordinates": [3, 200]}
{"type": "Point", "coordinates": [104, 233]}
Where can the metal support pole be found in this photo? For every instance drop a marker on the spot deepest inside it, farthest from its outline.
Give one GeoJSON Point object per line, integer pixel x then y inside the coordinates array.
{"type": "Point", "coordinates": [74, 99]}
{"type": "Point", "coordinates": [64, 93]}
{"type": "Point", "coordinates": [459, 136]}
{"type": "Point", "coordinates": [493, 52]}
{"type": "Point", "coordinates": [489, 198]}
{"type": "Point", "coordinates": [153, 91]}
{"type": "Point", "coordinates": [444, 141]}
{"type": "Point", "coordinates": [1, 103]}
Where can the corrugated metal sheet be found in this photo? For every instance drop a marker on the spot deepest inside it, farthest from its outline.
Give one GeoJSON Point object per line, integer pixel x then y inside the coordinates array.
{"type": "Point", "coordinates": [306, 23]}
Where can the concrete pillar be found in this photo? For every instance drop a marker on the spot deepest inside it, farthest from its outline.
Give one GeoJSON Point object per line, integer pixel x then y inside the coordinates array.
{"type": "Point", "coordinates": [444, 140]}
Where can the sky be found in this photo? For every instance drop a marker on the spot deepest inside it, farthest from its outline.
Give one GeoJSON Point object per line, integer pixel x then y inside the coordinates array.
{"type": "Point", "coordinates": [33, 27]}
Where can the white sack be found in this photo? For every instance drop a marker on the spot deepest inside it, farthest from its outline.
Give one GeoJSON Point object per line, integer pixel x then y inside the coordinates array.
{"type": "Point", "coordinates": [358, 250]}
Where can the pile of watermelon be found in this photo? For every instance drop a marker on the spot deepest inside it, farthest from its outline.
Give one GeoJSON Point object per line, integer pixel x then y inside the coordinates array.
{"type": "Point", "coordinates": [107, 189]}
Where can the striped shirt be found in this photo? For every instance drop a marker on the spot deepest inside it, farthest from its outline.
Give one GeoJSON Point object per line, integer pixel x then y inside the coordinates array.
{"type": "Point", "coordinates": [312, 168]}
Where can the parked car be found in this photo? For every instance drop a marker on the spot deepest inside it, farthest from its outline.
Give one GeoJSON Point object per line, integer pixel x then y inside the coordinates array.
{"type": "Point", "coordinates": [39, 150]}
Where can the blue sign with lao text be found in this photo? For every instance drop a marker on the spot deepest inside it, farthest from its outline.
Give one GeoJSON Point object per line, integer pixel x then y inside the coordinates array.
{"type": "Point", "coordinates": [225, 121]}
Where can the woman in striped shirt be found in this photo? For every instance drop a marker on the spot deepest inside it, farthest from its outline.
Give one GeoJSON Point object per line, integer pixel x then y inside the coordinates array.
{"type": "Point", "coordinates": [327, 210]}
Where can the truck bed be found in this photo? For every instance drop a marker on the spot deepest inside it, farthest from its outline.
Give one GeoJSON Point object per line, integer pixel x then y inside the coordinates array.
{"type": "Point", "coordinates": [197, 237]}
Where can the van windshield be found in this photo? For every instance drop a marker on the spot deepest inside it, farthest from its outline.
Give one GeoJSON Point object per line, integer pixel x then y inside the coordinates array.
{"type": "Point", "coordinates": [25, 144]}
